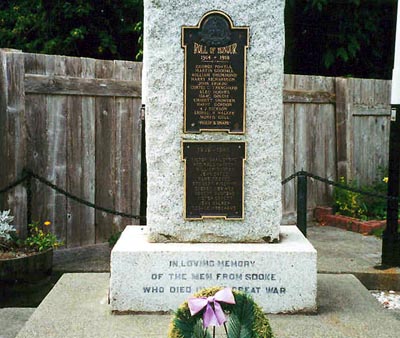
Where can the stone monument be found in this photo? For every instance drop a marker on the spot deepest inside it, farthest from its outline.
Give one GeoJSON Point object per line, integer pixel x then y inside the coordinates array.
{"type": "Point", "coordinates": [212, 86]}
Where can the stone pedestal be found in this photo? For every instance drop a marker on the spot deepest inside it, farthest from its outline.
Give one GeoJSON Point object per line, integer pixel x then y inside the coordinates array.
{"type": "Point", "coordinates": [152, 277]}
{"type": "Point", "coordinates": [179, 254]}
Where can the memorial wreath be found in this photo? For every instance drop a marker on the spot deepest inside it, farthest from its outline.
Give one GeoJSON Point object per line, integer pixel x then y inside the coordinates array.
{"type": "Point", "coordinates": [216, 306]}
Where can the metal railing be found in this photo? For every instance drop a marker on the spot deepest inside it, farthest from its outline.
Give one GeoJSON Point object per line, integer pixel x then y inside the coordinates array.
{"type": "Point", "coordinates": [390, 237]}
{"type": "Point", "coordinates": [28, 175]}
{"type": "Point", "coordinates": [302, 194]}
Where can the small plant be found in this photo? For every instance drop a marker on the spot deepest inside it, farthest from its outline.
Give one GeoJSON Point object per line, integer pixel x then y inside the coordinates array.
{"type": "Point", "coordinates": [376, 206]}
{"type": "Point", "coordinates": [40, 238]}
{"type": "Point", "coordinates": [348, 203]}
{"type": "Point", "coordinates": [379, 232]}
{"type": "Point", "coordinates": [360, 206]}
{"type": "Point", "coordinates": [113, 239]}
{"type": "Point", "coordinates": [7, 231]}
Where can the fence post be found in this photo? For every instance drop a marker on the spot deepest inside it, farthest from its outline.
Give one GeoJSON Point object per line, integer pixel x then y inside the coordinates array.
{"type": "Point", "coordinates": [391, 238]}
{"type": "Point", "coordinates": [302, 202]}
{"type": "Point", "coordinates": [343, 116]}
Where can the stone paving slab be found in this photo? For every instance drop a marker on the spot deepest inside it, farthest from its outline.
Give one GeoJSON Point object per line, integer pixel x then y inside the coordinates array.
{"type": "Point", "coordinates": [77, 307]}
{"type": "Point", "coordinates": [346, 309]}
{"type": "Point", "coordinates": [341, 251]}
{"type": "Point", "coordinates": [12, 320]}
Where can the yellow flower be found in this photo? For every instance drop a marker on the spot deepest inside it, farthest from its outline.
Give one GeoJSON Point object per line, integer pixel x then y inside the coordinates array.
{"type": "Point", "coordinates": [385, 179]}
{"type": "Point", "coordinates": [47, 223]}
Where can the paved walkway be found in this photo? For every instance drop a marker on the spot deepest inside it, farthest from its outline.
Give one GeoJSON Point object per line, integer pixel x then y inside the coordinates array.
{"type": "Point", "coordinates": [341, 251]}
{"type": "Point", "coordinates": [346, 308]}
{"type": "Point", "coordinates": [77, 307]}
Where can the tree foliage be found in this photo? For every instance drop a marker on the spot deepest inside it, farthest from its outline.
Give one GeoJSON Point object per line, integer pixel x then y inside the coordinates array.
{"type": "Point", "coordinates": [340, 37]}
{"type": "Point", "coordinates": [105, 29]}
{"type": "Point", "coordinates": [324, 37]}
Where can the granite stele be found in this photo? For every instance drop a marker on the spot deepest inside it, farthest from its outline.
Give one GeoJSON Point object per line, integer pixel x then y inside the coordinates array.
{"type": "Point", "coordinates": [212, 88]}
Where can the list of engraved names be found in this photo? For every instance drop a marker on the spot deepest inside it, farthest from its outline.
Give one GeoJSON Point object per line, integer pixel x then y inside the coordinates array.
{"type": "Point", "coordinates": [213, 84]}
{"type": "Point", "coordinates": [214, 179]}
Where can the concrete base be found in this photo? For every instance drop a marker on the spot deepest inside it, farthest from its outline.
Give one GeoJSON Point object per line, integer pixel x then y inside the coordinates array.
{"type": "Point", "coordinates": [158, 277]}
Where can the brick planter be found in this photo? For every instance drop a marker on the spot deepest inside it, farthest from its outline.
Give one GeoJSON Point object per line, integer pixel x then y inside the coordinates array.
{"type": "Point", "coordinates": [325, 216]}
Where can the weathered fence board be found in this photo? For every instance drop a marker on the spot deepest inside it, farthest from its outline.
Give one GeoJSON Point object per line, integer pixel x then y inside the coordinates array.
{"type": "Point", "coordinates": [36, 118]}
{"type": "Point", "coordinates": [88, 149]}
{"type": "Point", "coordinates": [309, 138]}
{"type": "Point", "coordinates": [74, 85]}
{"type": "Point", "coordinates": [13, 145]}
{"type": "Point", "coordinates": [288, 168]}
{"type": "Point", "coordinates": [56, 168]}
{"type": "Point", "coordinates": [369, 123]}
{"type": "Point", "coordinates": [76, 159]}
{"type": "Point", "coordinates": [75, 121]}
{"type": "Point", "coordinates": [105, 154]}
{"type": "Point", "coordinates": [308, 96]}
{"type": "Point", "coordinates": [46, 118]}
{"type": "Point", "coordinates": [128, 132]}
{"type": "Point", "coordinates": [343, 142]}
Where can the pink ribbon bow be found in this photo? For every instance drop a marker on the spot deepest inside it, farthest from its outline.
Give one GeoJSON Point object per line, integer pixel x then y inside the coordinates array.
{"type": "Point", "coordinates": [213, 315]}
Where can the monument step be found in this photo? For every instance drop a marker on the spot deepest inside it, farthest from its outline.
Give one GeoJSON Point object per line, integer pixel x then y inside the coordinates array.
{"type": "Point", "coordinates": [77, 307]}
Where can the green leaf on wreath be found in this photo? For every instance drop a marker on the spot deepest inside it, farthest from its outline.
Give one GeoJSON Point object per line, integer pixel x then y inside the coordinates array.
{"type": "Point", "coordinates": [188, 326]}
{"type": "Point", "coordinates": [192, 329]}
{"type": "Point", "coordinates": [241, 319]}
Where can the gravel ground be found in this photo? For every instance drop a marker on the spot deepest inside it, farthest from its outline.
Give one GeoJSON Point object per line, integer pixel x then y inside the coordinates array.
{"type": "Point", "coordinates": [389, 299]}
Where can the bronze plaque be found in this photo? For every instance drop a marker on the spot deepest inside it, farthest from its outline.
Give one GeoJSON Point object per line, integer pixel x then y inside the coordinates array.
{"type": "Point", "coordinates": [214, 175]}
{"type": "Point", "coordinates": [215, 75]}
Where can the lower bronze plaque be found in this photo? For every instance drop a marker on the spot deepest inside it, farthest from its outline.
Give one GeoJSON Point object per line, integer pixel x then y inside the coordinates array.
{"type": "Point", "coordinates": [214, 175]}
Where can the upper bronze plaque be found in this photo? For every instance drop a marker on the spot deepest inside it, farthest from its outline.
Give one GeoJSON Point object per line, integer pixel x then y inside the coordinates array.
{"type": "Point", "coordinates": [215, 75]}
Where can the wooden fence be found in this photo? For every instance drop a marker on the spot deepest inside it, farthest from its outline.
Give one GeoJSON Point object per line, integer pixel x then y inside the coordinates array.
{"type": "Point", "coordinates": [333, 127]}
{"type": "Point", "coordinates": [75, 121]}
